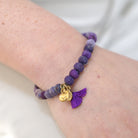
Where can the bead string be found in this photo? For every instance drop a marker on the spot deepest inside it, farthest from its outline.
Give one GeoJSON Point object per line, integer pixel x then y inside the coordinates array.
{"type": "Point", "coordinates": [65, 89]}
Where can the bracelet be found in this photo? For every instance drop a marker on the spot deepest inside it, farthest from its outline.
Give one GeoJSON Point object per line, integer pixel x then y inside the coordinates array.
{"type": "Point", "coordinates": [64, 90]}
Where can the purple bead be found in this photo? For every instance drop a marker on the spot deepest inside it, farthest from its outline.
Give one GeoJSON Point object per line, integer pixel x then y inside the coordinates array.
{"type": "Point", "coordinates": [83, 59]}
{"type": "Point", "coordinates": [74, 73]}
{"type": "Point", "coordinates": [38, 93]}
{"type": "Point", "coordinates": [90, 42]}
{"type": "Point", "coordinates": [86, 53]}
{"type": "Point", "coordinates": [42, 96]}
{"type": "Point", "coordinates": [58, 89]}
{"type": "Point", "coordinates": [52, 91]}
{"type": "Point", "coordinates": [47, 94]}
{"type": "Point", "coordinates": [69, 80]}
{"type": "Point", "coordinates": [79, 67]}
{"type": "Point", "coordinates": [88, 47]}
{"type": "Point", "coordinates": [90, 35]}
{"type": "Point", "coordinates": [37, 90]}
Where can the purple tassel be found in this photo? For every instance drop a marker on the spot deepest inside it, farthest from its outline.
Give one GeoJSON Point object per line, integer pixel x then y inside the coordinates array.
{"type": "Point", "coordinates": [77, 97]}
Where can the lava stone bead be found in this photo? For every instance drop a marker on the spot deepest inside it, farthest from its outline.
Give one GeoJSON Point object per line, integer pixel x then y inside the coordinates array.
{"type": "Point", "coordinates": [90, 42]}
{"type": "Point", "coordinates": [37, 90]}
{"type": "Point", "coordinates": [74, 73]}
{"type": "Point", "coordinates": [69, 80]}
{"type": "Point", "coordinates": [47, 94]}
{"type": "Point", "coordinates": [52, 91]}
{"type": "Point", "coordinates": [89, 45]}
{"type": "Point", "coordinates": [86, 53]}
{"type": "Point", "coordinates": [79, 67]}
{"type": "Point", "coordinates": [83, 59]}
{"type": "Point", "coordinates": [89, 48]}
{"type": "Point", "coordinates": [58, 89]}
{"type": "Point", "coordinates": [41, 95]}
{"type": "Point", "coordinates": [90, 35]}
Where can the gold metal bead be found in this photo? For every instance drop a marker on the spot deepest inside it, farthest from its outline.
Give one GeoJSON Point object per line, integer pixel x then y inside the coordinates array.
{"type": "Point", "coordinates": [66, 94]}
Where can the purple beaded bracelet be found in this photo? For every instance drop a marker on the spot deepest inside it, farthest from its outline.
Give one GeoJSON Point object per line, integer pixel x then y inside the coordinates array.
{"type": "Point", "coordinates": [64, 90]}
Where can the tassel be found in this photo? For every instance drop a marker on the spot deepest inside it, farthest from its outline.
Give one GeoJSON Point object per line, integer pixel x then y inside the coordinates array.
{"type": "Point", "coordinates": [77, 97]}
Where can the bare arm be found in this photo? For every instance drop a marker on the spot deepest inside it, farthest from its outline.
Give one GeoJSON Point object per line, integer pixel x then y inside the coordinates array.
{"type": "Point", "coordinates": [44, 48]}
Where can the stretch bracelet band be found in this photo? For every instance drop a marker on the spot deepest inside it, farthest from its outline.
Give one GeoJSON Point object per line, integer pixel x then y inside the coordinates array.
{"type": "Point", "coordinates": [64, 90]}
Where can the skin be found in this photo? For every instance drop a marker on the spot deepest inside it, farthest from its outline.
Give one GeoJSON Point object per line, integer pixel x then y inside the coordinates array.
{"type": "Point", "coordinates": [44, 48]}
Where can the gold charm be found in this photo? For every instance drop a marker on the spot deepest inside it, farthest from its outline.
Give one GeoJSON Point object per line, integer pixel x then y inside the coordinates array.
{"type": "Point", "coordinates": [66, 94]}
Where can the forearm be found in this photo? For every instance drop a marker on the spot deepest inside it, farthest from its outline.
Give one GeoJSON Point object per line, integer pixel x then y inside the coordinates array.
{"type": "Point", "coordinates": [33, 41]}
